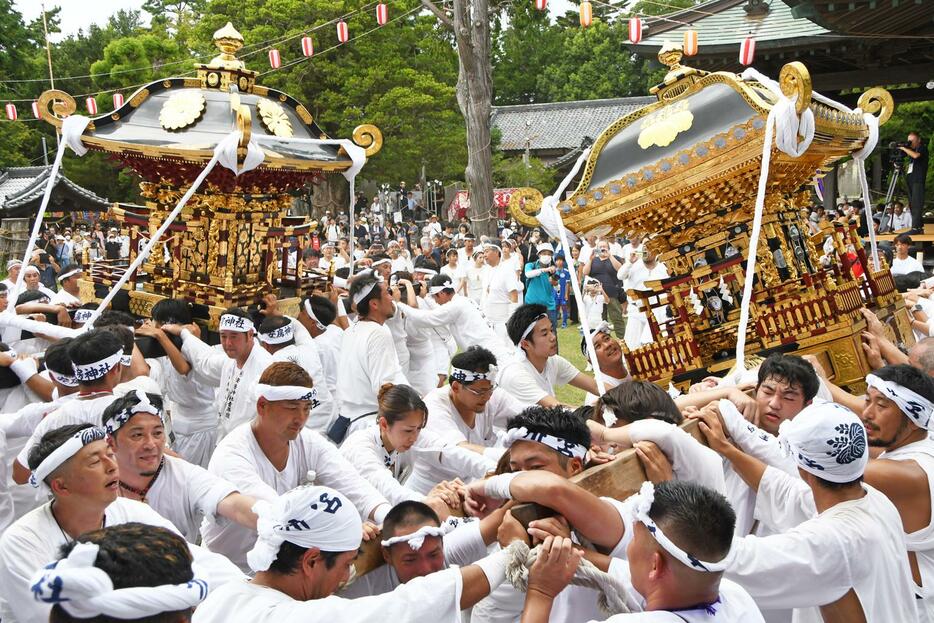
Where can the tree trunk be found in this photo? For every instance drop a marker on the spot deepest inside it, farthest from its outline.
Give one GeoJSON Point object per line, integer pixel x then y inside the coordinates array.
{"type": "Point", "coordinates": [475, 98]}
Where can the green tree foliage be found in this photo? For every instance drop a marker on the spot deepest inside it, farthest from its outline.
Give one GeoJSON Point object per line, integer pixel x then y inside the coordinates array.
{"type": "Point", "coordinates": [515, 173]}
{"type": "Point", "coordinates": [134, 60]}
{"type": "Point", "coordinates": [910, 117]}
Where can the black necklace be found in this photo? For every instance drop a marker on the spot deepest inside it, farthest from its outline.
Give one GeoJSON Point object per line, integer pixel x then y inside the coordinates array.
{"type": "Point", "coordinates": [142, 492]}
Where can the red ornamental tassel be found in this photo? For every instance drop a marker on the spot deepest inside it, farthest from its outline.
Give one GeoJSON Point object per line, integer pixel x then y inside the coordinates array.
{"type": "Point", "coordinates": [275, 61]}
{"type": "Point", "coordinates": [11, 112]}
{"type": "Point", "coordinates": [91, 104]}
{"type": "Point", "coordinates": [586, 14]}
{"type": "Point", "coordinates": [382, 14]}
{"type": "Point", "coordinates": [747, 51]}
{"type": "Point", "coordinates": [342, 34]}
{"type": "Point", "coordinates": [118, 100]}
{"type": "Point", "coordinates": [690, 42]}
{"type": "Point", "coordinates": [35, 110]}
{"type": "Point", "coordinates": [308, 46]}
{"type": "Point", "coordinates": [635, 30]}
{"type": "Point", "coordinates": [541, 5]}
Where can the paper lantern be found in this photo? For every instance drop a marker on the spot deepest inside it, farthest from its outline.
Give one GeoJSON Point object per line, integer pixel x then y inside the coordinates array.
{"type": "Point", "coordinates": [382, 14]}
{"type": "Point", "coordinates": [91, 104]}
{"type": "Point", "coordinates": [635, 30]}
{"type": "Point", "coordinates": [690, 43]}
{"type": "Point", "coordinates": [275, 61]}
{"type": "Point", "coordinates": [342, 34]}
{"type": "Point", "coordinates": [747, 51]}
{"type": "Point", "coordinates": [35, 110]}
{"type": "Point", "coordinates": [586, 14]}
{"type": "Point", "coordinates": [541, 5]}
{"type": "Point", "coordinates": [11, 112]}
{"type": "Point", "coordinates": [308, 46]}
{"type": "Point", "coordinates": [118, 100]}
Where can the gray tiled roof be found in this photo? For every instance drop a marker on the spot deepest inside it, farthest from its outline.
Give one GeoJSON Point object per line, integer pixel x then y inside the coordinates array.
{"type": "Point", "coordinates": [560, 125]}
{"type": "Point", "coordinates": [20, 185]}
{"type": "Point", "coordinates": [726, 23]}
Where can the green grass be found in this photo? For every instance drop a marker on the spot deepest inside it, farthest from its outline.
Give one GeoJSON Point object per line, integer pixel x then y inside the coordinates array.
{"type": "Point", "coordinates": [569, 347]}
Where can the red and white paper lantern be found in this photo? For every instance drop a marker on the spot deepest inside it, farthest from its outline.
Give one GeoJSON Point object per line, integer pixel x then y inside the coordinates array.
{"type": "Point", "coordinates": [747, 51]}
{"type": "Point", "coordinates": [382, 14]}
{"type": "Point", "coordinates": [690, 43]}
{"type": "Point", "coordinates": [308, 46]}
{"type": "Point", "coordinates": [275, 61]}
{"type": "Point", "coordinates": [91, 104]}
{"type": "Point", "coordinates": [342, 33]}
{"type": "Point", "coordinates": [35, 110]}
{"type": "Point", "coordinates": [11, 112]}
{"type": "Point", "coordinates": [118, 100]}
{"type": "Point", "coordinates": [541, 5]}
{"type": "Point", "coordinates": [635, 30]}
{"type": "Point", "coordinates": [586, 14]}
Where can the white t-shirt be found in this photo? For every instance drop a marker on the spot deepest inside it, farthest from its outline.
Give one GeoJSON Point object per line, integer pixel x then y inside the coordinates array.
{"type": "Point", "coordinates": [190, 402]}
{"type": "Point", "coordinates": [367, 359]}
{"type": "Point", "coordinates": [64, 298]}
{"type": "Point", "coordinates": [908, 265]}
{"type": "Point", "coordinates": [239, 459]}
{"type": "Point", "coordinates": [501, 280]}
{"type": "Point", "coordinates": [77, 411]}
{"type": "Point", "coordinates": [185, 493]}
{"type": "Point", "coordinates": [526, 384]}
{"type": "Point", "coordinates": [307, 356]}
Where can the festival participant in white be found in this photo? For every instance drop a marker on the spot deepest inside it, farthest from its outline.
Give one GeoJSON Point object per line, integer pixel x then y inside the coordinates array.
{"type": "Point", "coordinates": [416, 543]}
{"type": "Point", "coordinates": [68, 294]}
{"type": "Point", "coordinates": [287, 340]}
{"type": "Point", "coordinates": [234, 371]}
{"type": "Point", "coordinates": [426, 346]}
{"type": "Point", "coordinates": [181, 492]}
{"type": "Point", "coordinates": [902, 262]}
{"type": "Point", "coordinates": [460, 315]}
{"type": "Point", "coordinates": [500, 290]}
{"type": "Point", "coordinates": [847, 563]}
{"type": "Point", "coordinates": [385, 452]}
{"type": "Point", "coordinates": [275, 452]}
{"type": "Point", "coordinates": [96, 356]}
{"type": "Point", "coordinates": [537, 369]}
{"type": "Point", "coordinates": [318, 315]}
{"type": "Point", "coordinates": [308, 539]}
{"type": "Point", "coordinates": [79, 467]}
{"type": "Point", "coordinates": [668, 545]}
{"type": "Point", "coordinates": [367, 356]}
{"type": "Point", "coordinates": [12, 273]}
{"type": "Point", "coordinates": [95, 580]}
{"type": "Point", "coordinates": [609, 358]}
{"type": "Point", "coordinates": [634, 276]}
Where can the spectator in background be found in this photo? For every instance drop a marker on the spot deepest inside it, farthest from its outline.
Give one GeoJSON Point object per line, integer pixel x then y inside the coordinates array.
{"type": "Point", "coordinates": [902, 263]}
{"type": "Point", "coordinates": [604, 267]}
{"type": "Point", "coordinates": [901, 218]}
{"type": "Point", "coordinates": [561, 279]}
{"type": "Point", "coordinates": [538, 289]}
{"type": "Point", "coordinates": [916, 174]}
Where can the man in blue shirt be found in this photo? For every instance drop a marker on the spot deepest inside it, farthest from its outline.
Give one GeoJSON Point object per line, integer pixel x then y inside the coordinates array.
{"type": "Point", "coordinates": [538, 289]}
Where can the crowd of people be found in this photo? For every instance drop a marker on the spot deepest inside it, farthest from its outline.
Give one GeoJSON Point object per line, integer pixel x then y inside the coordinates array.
{"type": "Point", "coordinates": [150, 475]}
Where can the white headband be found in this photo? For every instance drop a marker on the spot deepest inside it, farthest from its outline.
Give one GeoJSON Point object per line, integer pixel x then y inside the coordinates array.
{"type": "Point", "coordinates": [307, 516]}
{"type": "Point", "coordinates": [340, 282]}
{"type": "Point", "coordinates": [642, 509]}
{"type": "Point", "coordinates": [126, 360]}
{"type": "Point", "coordinates": [603, 327]}
{"type": "Point", "coordinates": [83, 315]}
{"type": "Point", "coordinates": [561, 446]}
{"type": "Point", "coordinates": [311, 314]}
{"type": "Point", "coordinates": [380, 262]}
{"type": "Point", "coordinates": [828, 440]}
{"type": "Point", "coordinates": [98, 369]}
{"type": "Point", "coordinates": [365, 292]}
{"type": "Point", "coordinates": [65, 276]}
{"type": "Point", "coordinates": [918, 408]}
{"type": "Point", "coordinates": [61, 379]}
{"type": "Point", "coordinates": [469, 376]}
{"type": "Point", "coordinates": [287, 392]}
{"type": "Point", "coordinates": [490, 245]}
{"type": "Point", "coordinates": [447, 285]}
{"type": "Point", "coordinates": [280, 335]}
{"type": "Point", "coordinates": [64, 452]}
{"type": "Point", "coordinates": [86, 591]}
{"type": "Point", "coordinates": [417, 538]}
{"type": "Point", "coordinates": [144, 406]}
{"type": "Point", "coordinates": [239, 324]}
{"type": "Point", "coordinates": [426, 271]}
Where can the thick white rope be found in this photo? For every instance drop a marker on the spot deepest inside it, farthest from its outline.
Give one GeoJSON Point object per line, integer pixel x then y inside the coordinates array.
{"type": "Point", "coordinates": [613, 595]}
{"type": "Point", "coordinates": [550, 219]}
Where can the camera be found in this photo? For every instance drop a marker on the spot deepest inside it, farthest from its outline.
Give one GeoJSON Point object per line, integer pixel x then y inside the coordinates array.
{"type": "Point", "coordinates": [897, 144]}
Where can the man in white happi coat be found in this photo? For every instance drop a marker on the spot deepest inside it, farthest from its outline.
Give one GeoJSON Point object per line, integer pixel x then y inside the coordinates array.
{"type": "Point", "coordinates": [846, 563]}
{"type": "Point", "coordinates": [308, 539]}
{"type": "Point", "coordinates": [234, 371]}
{"type": "Point", "coordinates": [287, 340]}
{"type": "Point", "coordinates": [79, 467]}
{"type": "Point", "coordinates": [634, 276]}
{"type": "Point", "coordinates": [501, 289]}
{"type": "Point", "coordinates": [189, 397]}
{"type": "Point", "coordinates": [319, 316]}
{"type": "Point", "coordinates": [181, 492]}
{"type": "Point", "coordinates": [533, 375]}
{"type": "Point", "coordinates": [68, 294]}
{"type": "Point", "coordinates": [368, 356]}
{"type": "Point", "coordinates": [275, 452]}
{"type": "Point", "coordinates": [609, 357]}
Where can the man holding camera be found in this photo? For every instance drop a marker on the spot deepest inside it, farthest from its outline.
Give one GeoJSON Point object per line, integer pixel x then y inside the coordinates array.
{"type": "Point", "coordinates": [603, 267]}
{"type": "Point", "coordinates": [916, 173]}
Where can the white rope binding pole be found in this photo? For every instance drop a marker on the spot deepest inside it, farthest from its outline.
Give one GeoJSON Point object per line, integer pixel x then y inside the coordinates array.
{"type": "Point", "coordinates": [550, 219]}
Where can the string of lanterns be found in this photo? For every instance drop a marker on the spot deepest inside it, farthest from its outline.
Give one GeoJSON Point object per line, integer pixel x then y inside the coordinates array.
{"type": "Point", "coordinates": [343, 35]}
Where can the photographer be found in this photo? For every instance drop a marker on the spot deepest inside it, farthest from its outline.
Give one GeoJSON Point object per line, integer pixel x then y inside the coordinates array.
{"type": "Point", "coordinates": [604, 267]}
{"type": "Point", "coordinates": [916, 174]}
